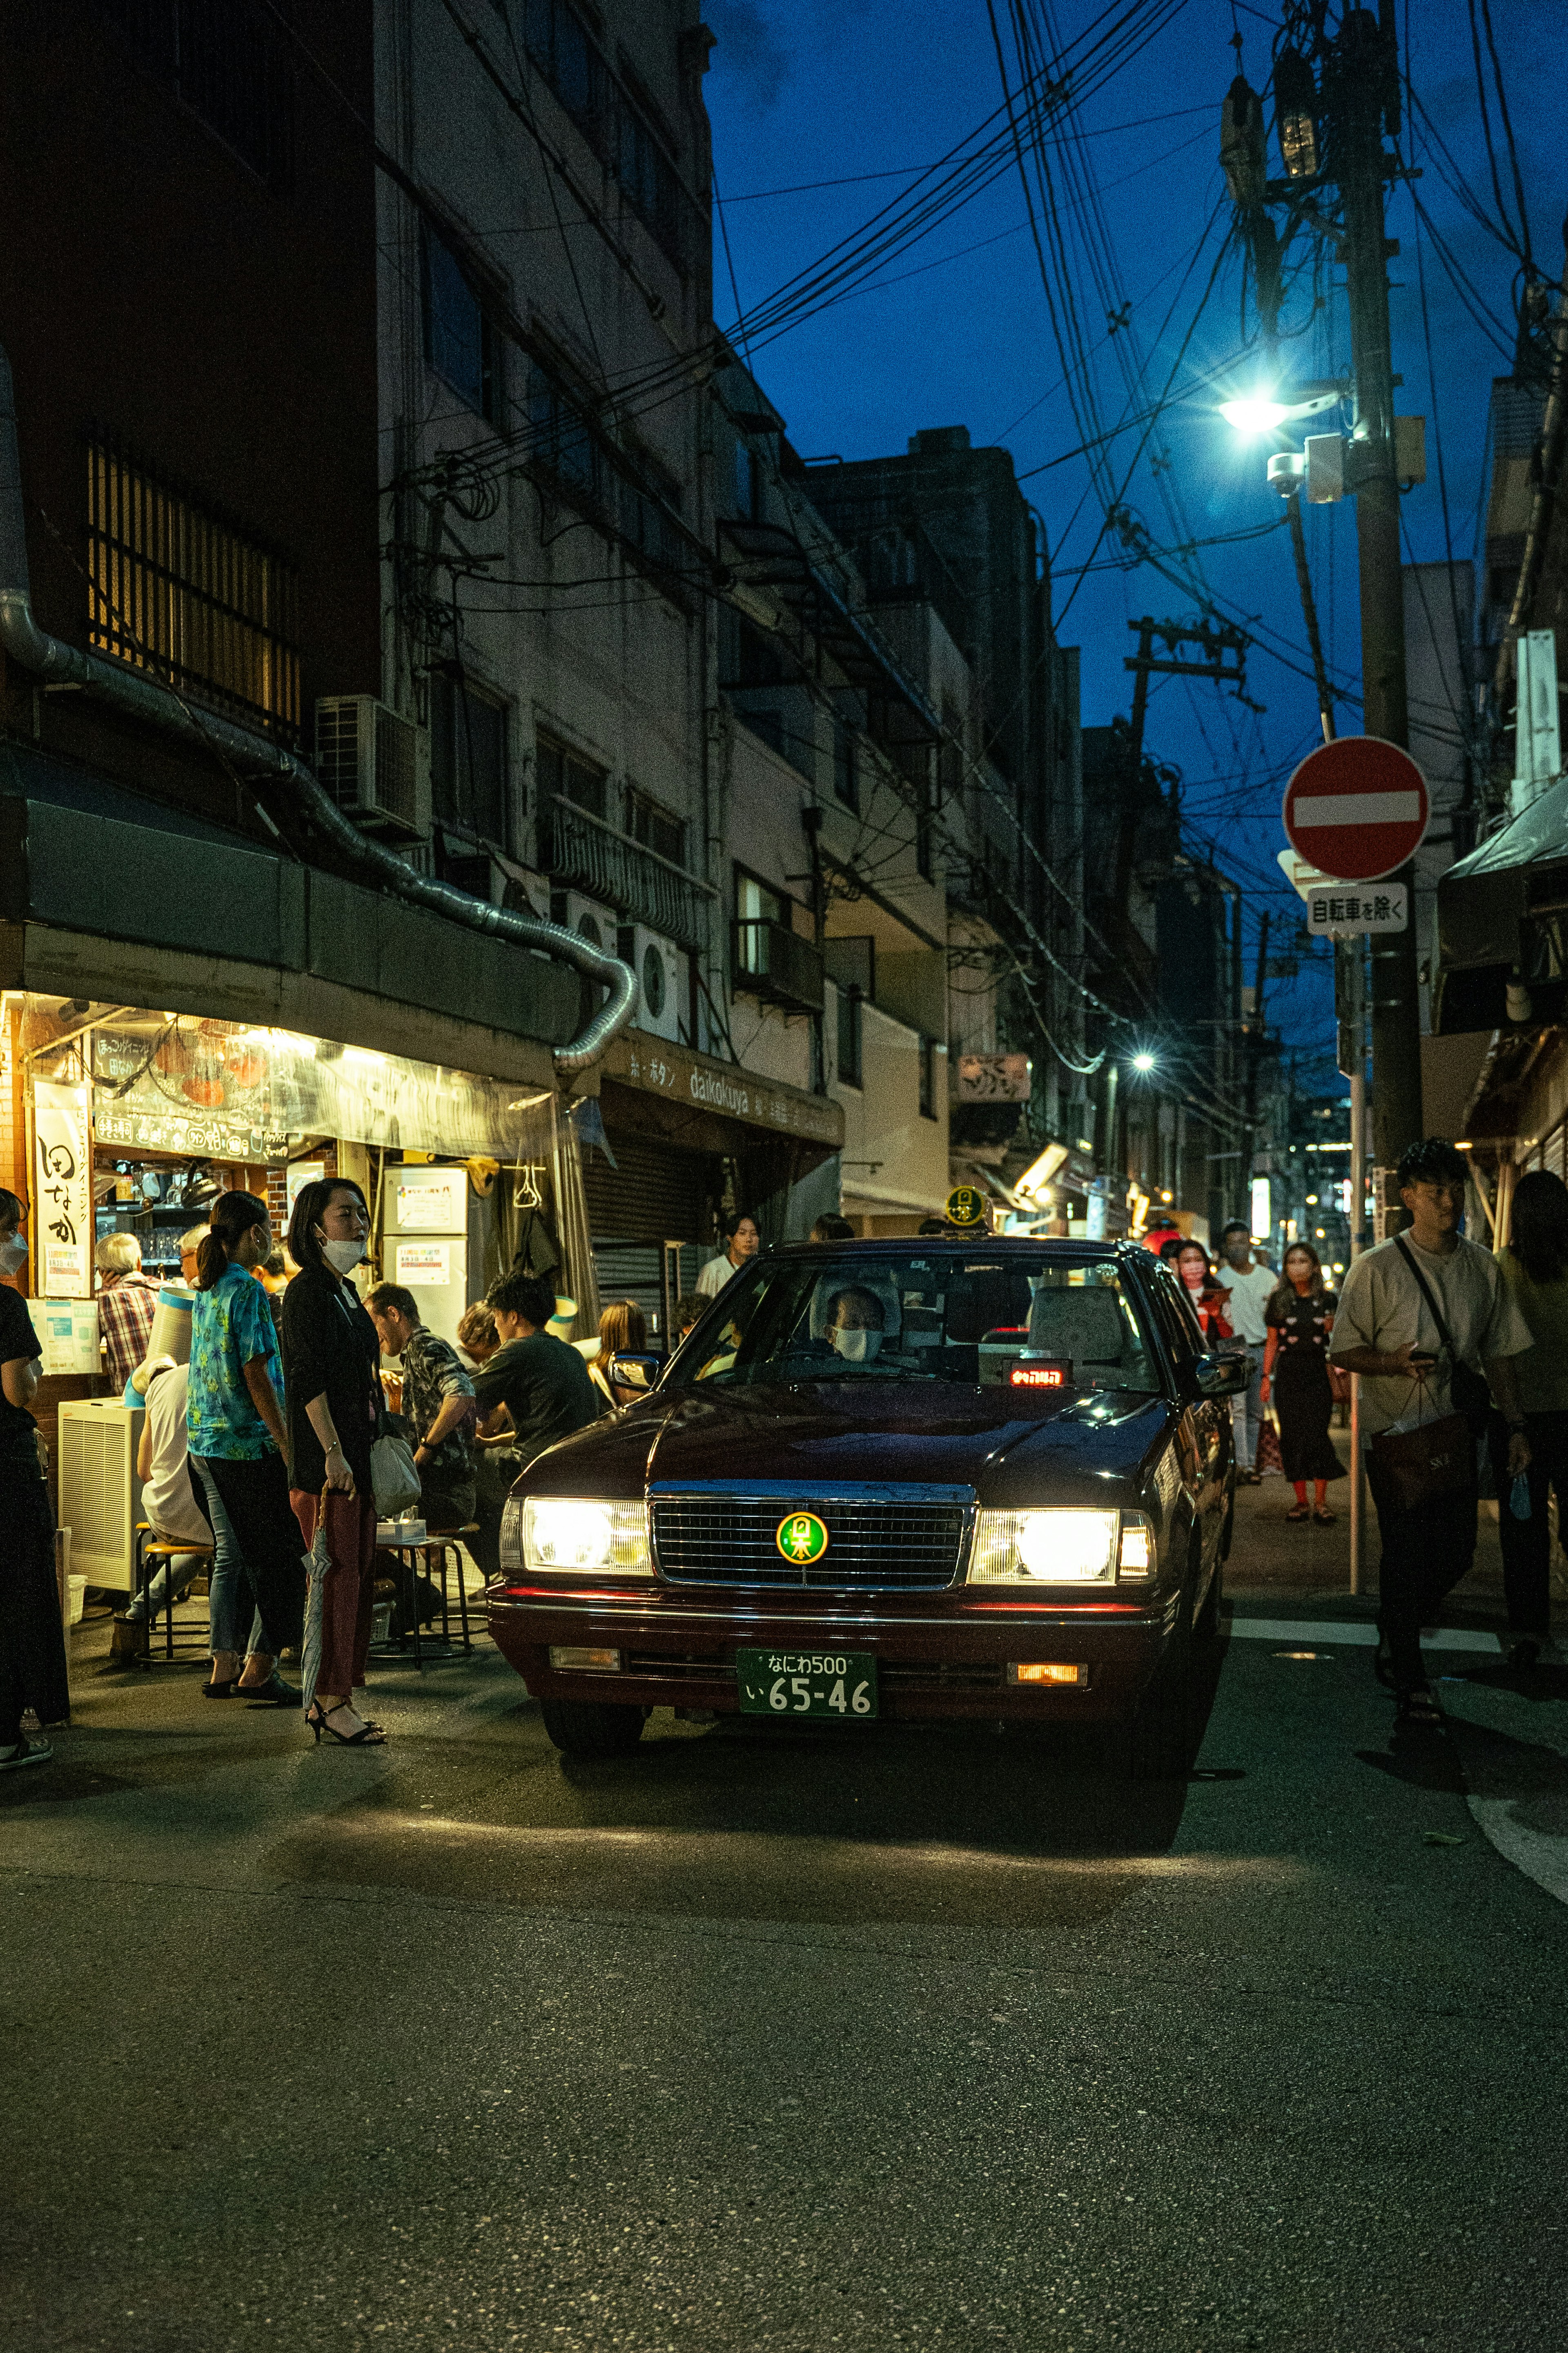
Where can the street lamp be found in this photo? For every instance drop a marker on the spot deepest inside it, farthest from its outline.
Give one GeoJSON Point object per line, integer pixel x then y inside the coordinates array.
{"type": "Point", "coordinates": [1143, 1061]}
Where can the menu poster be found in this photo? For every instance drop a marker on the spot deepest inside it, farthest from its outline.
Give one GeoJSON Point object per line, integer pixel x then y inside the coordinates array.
{"type": "Point", "coordinates": [68, 1334]}
{"type": "Point", "coordinates": [432, 1202]}
{"type": "Point", "coordinates": [424, 1265]}
{"type": "Point", "coordinates": [63, 1155]}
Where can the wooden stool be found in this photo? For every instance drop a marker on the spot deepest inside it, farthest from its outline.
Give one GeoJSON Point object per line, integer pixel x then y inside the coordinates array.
{"type": "Point", "coordinates": [152, 1552]}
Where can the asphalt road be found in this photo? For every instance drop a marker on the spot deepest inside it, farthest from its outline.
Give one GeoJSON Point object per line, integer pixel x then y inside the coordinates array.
{"type": "Point", "coordinates": [871, 2038]}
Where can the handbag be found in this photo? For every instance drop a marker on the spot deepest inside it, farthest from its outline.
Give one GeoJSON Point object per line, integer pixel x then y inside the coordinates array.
{"type": "Point", "coordinates": [1435, 1458]}
{"type": "Point", "coordinates": [393, 1479]}
{"type": "Point", "coordinates": [1468, 1389]}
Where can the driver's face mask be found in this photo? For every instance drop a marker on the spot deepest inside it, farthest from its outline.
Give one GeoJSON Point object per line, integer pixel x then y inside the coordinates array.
{"type": "Point", "coordinates": [855, 1346]}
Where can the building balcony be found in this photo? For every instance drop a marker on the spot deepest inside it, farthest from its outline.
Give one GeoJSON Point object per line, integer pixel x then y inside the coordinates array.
{"type": "Point", "coordinates": [576, 848]}
{"type": "Point", "coordinates": [773, 963]}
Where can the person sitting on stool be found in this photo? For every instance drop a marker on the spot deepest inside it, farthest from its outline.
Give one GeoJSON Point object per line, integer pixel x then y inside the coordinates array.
{"type": "Point", "coordinates": [438, 1400]}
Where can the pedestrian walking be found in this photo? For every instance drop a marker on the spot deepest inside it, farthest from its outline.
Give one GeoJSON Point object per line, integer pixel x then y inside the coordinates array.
{"type": "Point", "coordinates": [127, 1303]}
{"type": "Point", "coordinates": [1300, 1317]}
{"type": "Point", "coordinates": [32, 1639]}
{"type": "Point", "coordinates": [235, 1433]}
{"type": "Point", "coordinates": [623, 1327]}
{"type": "Point", "coordinates": [742, 1241]}
{"type": "Point", "coordinates": [331, 1362]}
{"type": "Point", "coordinates": [1416, 1315]}
{"type": "Point", "coordinates": [438, 1399]}
{"type": "Point", "coordinates": [533, 1390]}
{"type": "Point", "coordinates": [1248, 1285]}
{"type": "Point", "coordinates": [1534, 1267]}
{"type": "Point", "coordinates": [1208, 1301]}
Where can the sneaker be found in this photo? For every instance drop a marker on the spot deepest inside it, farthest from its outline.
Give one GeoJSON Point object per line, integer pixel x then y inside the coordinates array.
{"type": "Point", "coordinates": [25, 1752]}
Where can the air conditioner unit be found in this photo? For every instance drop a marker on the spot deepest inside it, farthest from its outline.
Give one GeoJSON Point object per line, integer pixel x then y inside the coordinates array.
{"type": "Point", "coordinates": [589, 918]}
{"type": "Point", "coordinates": [375, 766]}
{"type": "Point", "coordinates": [660, 969]}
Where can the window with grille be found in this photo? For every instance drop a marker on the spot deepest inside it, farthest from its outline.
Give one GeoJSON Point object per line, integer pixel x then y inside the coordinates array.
{"type": "Point", "coordinates": [468, 757]}
{"type": "Point", "coordinates": [176, 589]}
{"type": "Point", "coordinates": [229, 62]}
{"type": "Point", "coordinates": [655, 828]}
{"type": "Point", "coordinates": [562, 775]}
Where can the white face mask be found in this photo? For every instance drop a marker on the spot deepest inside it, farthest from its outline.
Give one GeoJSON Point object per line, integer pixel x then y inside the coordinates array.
{"type": "Point", "coordinates": [856, 1347]}
{"type": "Point", "coordinates": [342, 1257]}
{"type": "Point", "coordinates": [14, 1254]}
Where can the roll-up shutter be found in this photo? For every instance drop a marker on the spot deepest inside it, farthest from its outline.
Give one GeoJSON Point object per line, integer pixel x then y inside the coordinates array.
{"type": "Point", "coordinates": [657, 1193]}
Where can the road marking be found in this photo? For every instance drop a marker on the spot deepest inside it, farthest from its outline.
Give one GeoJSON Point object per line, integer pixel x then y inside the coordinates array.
{"type": "Point", "coordinates": [1540, 1857]}
{"type": "Point", "coordinates": [1357, 1635]}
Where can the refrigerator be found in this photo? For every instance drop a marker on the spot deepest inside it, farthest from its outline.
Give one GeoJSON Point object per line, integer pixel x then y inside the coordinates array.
{"type": "Point", "coordinates": [436, 1240]}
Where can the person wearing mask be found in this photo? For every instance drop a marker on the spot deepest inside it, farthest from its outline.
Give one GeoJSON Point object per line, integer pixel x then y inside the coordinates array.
{"type": "Point", "coordinates": [235, 1429]}
{"type": "Point", "coordinates": [477, 1338]}
{"type": "Point", "coordinates": [856, 1322]}
{"type": "Point", "coordinates": [1385, 1330]}
{"type": "Point", "coordinates": [1300, 1317]}
{"type": "Point", "coordinates": [1208, 1301]}
{"type": "Point", "coordinates": [438, 1399]}
{"type": "Point", "coordinates": [533, 1390]}
{"type": "Point", "coordinates": [126, 1306]}
{"type": "Point", "coordinates": [32, 1639]}
{"type": "Point", "coordinates": [742, 1241]}
{"type": "Point", "coordinates": [332, 1361]}
{"type": "Point", "coordinates": [623, 1326]}
{"type": "Point", "coordinates": [190, 1243]}
{"type": "Point", "coordinates": [1248, 1286]}
{"type": "Point", "coordinates": [1534, 1267]}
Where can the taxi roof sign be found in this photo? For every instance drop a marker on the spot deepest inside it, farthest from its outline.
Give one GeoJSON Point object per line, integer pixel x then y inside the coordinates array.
{"type": "Point", "coordinates": [967, 1208]}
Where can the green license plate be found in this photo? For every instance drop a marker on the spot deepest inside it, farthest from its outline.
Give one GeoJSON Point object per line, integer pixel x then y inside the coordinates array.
{"type": "Point", "coordinates": [841, 1685]}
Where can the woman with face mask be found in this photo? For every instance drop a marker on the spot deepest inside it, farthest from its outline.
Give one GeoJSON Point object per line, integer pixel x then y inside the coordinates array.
{"type": "Point", "coordinates": [332, 1361]}
{"type": "Point", "coordinates": [856, 1322]}
{"type": "Point", "coordinates": [32, 1646]}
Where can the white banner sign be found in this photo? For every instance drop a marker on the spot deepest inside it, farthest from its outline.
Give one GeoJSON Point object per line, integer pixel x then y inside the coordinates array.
{"type": "Point", "coordinates": [63, 1156]}
{"type": "Point", "coordinates": [1351, 907]}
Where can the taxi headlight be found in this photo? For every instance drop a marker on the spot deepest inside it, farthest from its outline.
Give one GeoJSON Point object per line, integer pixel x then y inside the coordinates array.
{"type": "Point", "coordinates": [1042, 1547]}
{"type": "Point", "coordinates": [562, 1534]}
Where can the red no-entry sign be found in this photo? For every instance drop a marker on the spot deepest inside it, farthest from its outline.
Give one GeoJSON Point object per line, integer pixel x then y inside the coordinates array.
{"type": "Point", "coordinates": [1357, 809]}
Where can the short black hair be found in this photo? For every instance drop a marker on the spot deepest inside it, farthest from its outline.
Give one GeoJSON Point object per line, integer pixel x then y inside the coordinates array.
{"type": "Point", "coordinates": [689, 1309]}
{"type": "Point", "coordinates": [528, 1295]}
{"type": "Point", "coordinates": [730, 1227]}
{"type": "Point", "coordinates": [1433, 1161]}
{"type": "Point", "coordinates": [831, 1227]}
{"type": "Point", "coordinates": [396, 1298]}
{"type": "Point", "coordinates": [1235, 1226]}
{"type": "Point", "coordinates": [934, 1226]}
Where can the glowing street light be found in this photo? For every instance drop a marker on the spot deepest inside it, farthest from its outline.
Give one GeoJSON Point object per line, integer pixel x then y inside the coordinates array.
{"type": "Point", "coordinates": [1143, 1061]}
{"type": "Point", "coordinates": [1256, 414]}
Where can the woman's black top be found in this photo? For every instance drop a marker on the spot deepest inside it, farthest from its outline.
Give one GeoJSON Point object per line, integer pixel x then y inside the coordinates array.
{"type": "Point", "coordinates": [329, 1344]}
{"type": "Point", "coordinates": [1303, 1328]}
{"type": "Point", "coordinates": [19, 1431]}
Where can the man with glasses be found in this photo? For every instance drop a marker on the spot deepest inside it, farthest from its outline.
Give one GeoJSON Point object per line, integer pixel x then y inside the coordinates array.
{"type": "Point", "coordinates": [1386, 1331]}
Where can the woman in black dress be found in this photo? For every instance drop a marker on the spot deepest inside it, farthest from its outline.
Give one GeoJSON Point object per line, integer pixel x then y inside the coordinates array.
{"type": "Point", "coordinates": [1300, 1316]}
{"type": "Point", "coordinates": [32, 1645]}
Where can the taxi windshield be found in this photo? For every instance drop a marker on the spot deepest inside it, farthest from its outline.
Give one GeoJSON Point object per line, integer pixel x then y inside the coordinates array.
{"type": "Point", "coordinates": [1007, 1318]}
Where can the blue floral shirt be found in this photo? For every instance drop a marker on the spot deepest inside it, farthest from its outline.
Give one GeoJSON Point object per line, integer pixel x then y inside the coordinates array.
{"type": "Point", "coordinates": [231, 1325]}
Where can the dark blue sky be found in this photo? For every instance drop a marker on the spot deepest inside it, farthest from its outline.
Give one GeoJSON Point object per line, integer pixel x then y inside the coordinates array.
{"type": "Point", "coordinates": [813, 90]}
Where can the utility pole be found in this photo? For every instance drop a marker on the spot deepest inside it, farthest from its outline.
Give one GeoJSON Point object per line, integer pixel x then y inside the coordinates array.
{"type": "Point", "coordinates": [1254, 1055]}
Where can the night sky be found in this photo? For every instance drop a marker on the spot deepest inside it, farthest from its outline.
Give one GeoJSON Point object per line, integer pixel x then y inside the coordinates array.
{"type": "Point", "coordinates": [818, 90]}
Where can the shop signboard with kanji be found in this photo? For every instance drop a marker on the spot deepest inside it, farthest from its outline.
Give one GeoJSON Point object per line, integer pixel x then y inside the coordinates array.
{"type": "Point", "coordinates": [62, 1153]}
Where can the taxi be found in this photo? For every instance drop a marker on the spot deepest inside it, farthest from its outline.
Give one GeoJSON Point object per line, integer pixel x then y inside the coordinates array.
{"type": "Point", "coordinates": [891, 1481]}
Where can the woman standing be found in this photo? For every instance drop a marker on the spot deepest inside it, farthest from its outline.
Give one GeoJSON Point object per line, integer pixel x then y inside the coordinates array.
{"type": "Point", "coordinates": [1210, 1300]}
{"type": "Point", "coordinates": [331, 1357]}
{"type": "Point", "coordinates": [32, 1644]}
{"type": "Point", "coordinates": [234, 1421]}
{"type": "Point", "coordinates": [1299, 1317]}
{"type": "Point", "coordinates": [1534, 1269]}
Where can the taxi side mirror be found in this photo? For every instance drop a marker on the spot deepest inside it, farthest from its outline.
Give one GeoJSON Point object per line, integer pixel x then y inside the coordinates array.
{"type": "Point", "coordinates": [1221, 1377]}
{"type": "Point", "coordinates": [634, 1372]}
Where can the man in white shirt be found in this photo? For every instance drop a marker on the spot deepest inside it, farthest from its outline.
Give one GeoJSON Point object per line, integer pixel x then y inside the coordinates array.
{"type": "Point", "coordinates": [743, 1239]}
{"type": "Point", "coordinates": [1385, 1330]}
{"type": "Point", "coordinates": [1250, 1285]}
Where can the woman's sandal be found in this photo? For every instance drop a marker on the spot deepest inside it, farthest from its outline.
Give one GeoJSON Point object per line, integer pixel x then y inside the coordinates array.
{"type": "Point", "coordinates": [1298, 1512]}
{"type": "Point", "coordinates": [320, 1721]}
{"type": "Point", "coordinates": [219, 1691]}
{"type": "Point", "coordinates": [1323, 1518]}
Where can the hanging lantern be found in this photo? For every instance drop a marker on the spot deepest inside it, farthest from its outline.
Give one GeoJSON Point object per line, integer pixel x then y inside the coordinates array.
{"type": "Point", "coordinates": [1296, 116]}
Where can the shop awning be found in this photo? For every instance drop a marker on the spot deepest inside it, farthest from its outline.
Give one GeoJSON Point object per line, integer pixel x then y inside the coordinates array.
{"type": "Point", "coordinates": [112, 896]}
{"type": "Point", "coordinates": [1503, 909]}
{"type": "Point", "coordinates": [708, 1094]}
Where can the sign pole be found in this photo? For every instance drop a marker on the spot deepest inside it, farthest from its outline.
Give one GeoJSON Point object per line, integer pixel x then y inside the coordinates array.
{"type": "Point", "coordinates": [1356, 1024]}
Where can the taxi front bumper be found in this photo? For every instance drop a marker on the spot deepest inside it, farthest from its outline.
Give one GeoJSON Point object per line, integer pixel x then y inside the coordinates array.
{"type": "Point", "coordinates": [938, 1655]}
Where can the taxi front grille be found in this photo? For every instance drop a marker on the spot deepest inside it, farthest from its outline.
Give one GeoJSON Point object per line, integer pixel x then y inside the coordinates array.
{"type": "Point", "coordinates": [873, 1547]}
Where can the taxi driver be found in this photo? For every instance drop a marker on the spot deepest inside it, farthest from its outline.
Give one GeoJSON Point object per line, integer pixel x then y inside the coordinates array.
{"type": "Point", "coordinates": [856, 1322]}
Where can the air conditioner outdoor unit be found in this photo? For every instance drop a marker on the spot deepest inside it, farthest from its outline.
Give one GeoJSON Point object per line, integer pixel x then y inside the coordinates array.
{"type": "Point", "coordinates": [375, 765]}
{"type": "Point", "coordinates": [589, 918]}
{"type": "Point", "coordinates": [660, 969]}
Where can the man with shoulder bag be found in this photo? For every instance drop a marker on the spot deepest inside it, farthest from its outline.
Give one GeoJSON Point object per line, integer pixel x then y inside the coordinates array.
{"type": "Point", "coordinates": [1422, 1318]}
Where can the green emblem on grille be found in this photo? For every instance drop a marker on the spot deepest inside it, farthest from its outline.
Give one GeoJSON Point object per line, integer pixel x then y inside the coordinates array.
{"type": "Point", "coordinates": [801, 1537]}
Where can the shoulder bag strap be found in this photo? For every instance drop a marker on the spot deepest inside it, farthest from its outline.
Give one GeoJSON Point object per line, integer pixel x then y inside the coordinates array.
{"type": "Point", "coordinates": [1443, 1332]}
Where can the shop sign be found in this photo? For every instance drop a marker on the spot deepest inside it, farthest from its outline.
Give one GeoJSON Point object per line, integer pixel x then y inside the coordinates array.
{"type": "Point", "coordinates": [63, 1151]}
{"type": "Point", "coordinates": [424, 1265]}
{"type": "Point", "coordinates": [682, 1076]}
{"type": "Point", "coordinates": [68, 1334]}
{"type": "Point", "coordinates": [432, 1202]}
{"type": "Point", "coordinates": [193, 1136]}
{"type": "Point", "coordinates": [992, 1077]}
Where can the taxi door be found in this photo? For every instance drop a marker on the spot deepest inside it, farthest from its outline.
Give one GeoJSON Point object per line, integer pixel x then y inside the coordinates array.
{"type": "Point", "coordinates": [1204, 1431]}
